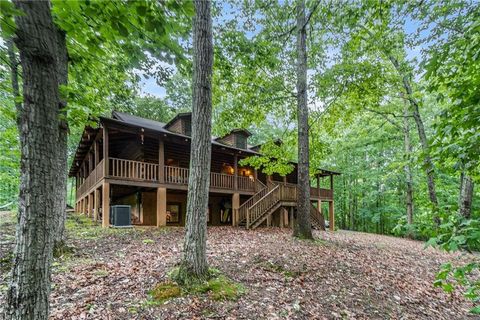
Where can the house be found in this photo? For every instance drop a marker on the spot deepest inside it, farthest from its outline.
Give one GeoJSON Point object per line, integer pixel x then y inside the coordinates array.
{"type": "Point", "coordinates": [129, 160]}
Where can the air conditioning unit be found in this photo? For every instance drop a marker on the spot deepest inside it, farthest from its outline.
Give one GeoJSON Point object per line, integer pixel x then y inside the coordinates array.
{"type": "Point", "coordinates": [120, 216]}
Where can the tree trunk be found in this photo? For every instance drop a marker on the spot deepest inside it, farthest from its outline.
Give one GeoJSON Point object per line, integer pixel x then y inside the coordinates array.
{"type": "Point", "coordinates": [466, 195]}
{"type": "Point", "coordinates": [407, 169]}
{"type": "Point", "coordinates": [429, 167]}
{"type": "Point", "coordinates": [303, 228]}
{"type": "Point", "coordinates": [62, 144]}
{"type": "Point", "coordinates": [29, 287]}
{"type": "Point", "coordinates": [194, 264]}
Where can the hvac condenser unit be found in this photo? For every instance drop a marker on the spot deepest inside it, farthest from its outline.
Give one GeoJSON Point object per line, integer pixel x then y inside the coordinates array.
{"type": "Point", "coordinates": [120, 216]}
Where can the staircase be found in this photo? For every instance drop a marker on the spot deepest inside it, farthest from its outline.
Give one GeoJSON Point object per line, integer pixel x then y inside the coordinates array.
{"type": "Point", "coordinates": [270, 198]}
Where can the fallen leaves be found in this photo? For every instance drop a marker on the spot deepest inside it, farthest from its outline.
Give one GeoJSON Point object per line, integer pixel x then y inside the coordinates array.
{"type": "Point", "coordinates": [342, 275]}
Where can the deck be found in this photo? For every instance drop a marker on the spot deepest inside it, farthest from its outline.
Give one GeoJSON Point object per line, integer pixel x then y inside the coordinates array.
{"type": "Point", "coordinates": [129, 172]}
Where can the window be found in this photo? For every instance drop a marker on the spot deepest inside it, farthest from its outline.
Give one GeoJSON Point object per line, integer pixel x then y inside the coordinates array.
{"type": "Point", "coordinates": [241, 141]}
{"type": "Point", "coordinates": [187, 127]}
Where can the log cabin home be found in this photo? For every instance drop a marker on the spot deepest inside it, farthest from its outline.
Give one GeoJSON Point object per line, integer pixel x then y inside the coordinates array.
{"type": "Point", "coordinates": [129, 160]}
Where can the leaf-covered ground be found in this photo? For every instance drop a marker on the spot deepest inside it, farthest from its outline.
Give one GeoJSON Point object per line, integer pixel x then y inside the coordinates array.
{"type": "Point", "coordinates": [343, 275]}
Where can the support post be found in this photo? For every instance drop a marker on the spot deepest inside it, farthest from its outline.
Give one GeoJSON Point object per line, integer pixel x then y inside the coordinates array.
{"type": "Point", "coordinates": [106, 171]}
{"type": "Point", "coordinates": [106, 205]}
{"type": "Point", "coordinates": [331, 215]}
{"type": "Point", "coordinates": [318, 186]}
{"type": "Point", "coordinates": [161, 207]}
{"type": "Point", "coordinates": [90, 204]}
{"type": "Point", "coordinates": [235, 206]}
{"type": "Point", "coordinates": [96, 153]}
{"type": "Point", "coordinates": [269, 220]}
{"type": "Point", "coordinates": [235, 169]}
{"type": "Point", "coordinates": [96, 199]}
{"type": "Point", "coordinates": [331, 182]}
{"type": "Point", "coordinates": [161, 161]}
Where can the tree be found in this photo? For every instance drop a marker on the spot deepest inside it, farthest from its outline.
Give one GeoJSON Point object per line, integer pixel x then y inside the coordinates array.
{"type": "Point", "coordinates": [303, 228]}
{"type": "Point", "coordinates": [62, 142]}
{"type": "Point", "coordinates": [194, 262]}
{"type": "Point", "coordinates": [36, 39]}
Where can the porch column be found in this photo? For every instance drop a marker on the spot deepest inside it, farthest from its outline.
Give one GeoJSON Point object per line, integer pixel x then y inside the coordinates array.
{"type": "Point", "coordinates": [331, 182]}
{"type": "Point", "coordinates": [106, 205]}
{"type": "Point", "coordinates": [255, 177]}
{"type": "Point", "coordinates": [106, 171]}
{"type": "Point", "coordinates": [161, 161]}
{"type": "Point", "coordinates": [161, 207]}
{"type": "Point", "coordinates": [290, 220]}
{"type": "Point", "coordinates": [285, 218]}
{"type": "Point", "coordinates": [90, 204]}
{"type": "Point", "coordinates": [331, 215]}
{"type": "Point", "coordinates": [319, 206]}
{"type": "Point", "coordinates": [96, 153]}
{"type": "Point", "coordinates": [96, 199]}
{"type": "Point", "coordinates": [235, 206]}
{"type": "Point", "coordinates": [281, 223]}
{"type": "Point", "coordinates": [235, 169]}
{"type": "Point", "coordinates": [318, 186]}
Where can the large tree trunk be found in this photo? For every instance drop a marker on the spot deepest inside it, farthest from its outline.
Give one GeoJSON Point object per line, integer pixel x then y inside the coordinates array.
{"type": "Point", "coordinates": [407, 169]}
{"type": "Point", "coordinates": [466, 195]}
{"type": "Point", "coordinates": [62, 144]}
{"type": "Point", "coordinates": [303, 228]}
{"type": "Point", "coordinates": [27, 296]}
{"type": "Point", "coordinates": [194, 264]}
{"type": "Point", "coordinates": [428, 163]}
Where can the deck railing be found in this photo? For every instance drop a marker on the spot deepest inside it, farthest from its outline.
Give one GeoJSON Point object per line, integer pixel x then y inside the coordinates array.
{"type": "Point", "coordinates": [150, 172]}
{"type": "Point", "coordinates": [91, 180]}
{"type": "Point", "coordinates": [246, 183]}
{"type": "Point", "coordinates": [222, 181]}
{"type": "Point", "coordinates": [323, 193]}
{"type": "Point", "coordinates": [175, 175]}
{"type": "Point", "coordinates": [133, 170]}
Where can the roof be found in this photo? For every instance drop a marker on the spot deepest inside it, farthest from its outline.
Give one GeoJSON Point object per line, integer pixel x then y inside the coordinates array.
{"type": "Point", "coordinates": [130, 120]}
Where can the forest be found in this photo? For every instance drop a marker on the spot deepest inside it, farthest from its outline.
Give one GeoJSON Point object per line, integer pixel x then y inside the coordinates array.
{"type": "Point", "coordinates": [387, 93]}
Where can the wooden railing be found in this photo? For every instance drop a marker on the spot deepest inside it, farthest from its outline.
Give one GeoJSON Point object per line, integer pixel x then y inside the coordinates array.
{"type": "Point", "coordinates": [243, 209]}
{"type": "Point", "coordinates": [133, 170]}
{"type": "Point", "coordinates": [259, 185]}
{"type": "Point", "coordinates": [324, 193]}
{"type": "Point", "coordinates": [222, 180]}
{"type": "Point", "coordinates": [316, 218]}
{"type": "Point", "coordinates": [245, 183]}
{"type": "Point", "coordinates": [264, 204]}
{"type": "Point", "coordinates": [175, 175]}
{"type": "Point", "coordinates": [288, 192]}
{"type": "Point", "coordinates": [91, 180]}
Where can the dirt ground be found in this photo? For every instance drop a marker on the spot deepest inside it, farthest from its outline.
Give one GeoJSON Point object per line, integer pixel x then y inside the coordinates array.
{"type": "Point", "coordinates": [343, 275]}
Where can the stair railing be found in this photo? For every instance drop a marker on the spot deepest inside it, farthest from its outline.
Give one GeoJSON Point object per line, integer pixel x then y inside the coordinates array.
{"type": "Point", "coordinates": [243, 209]}
{"type": "Point", "coordinates": [260, 207]}
{"type": "Point", "coordinates": [316, 218]}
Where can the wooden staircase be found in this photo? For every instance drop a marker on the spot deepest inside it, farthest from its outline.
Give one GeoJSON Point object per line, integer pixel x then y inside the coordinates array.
{"type": "Point", "coordinates": [269, 199]}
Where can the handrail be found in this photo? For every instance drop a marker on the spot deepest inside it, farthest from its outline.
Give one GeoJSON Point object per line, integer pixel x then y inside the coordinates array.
{"type": "Point", "coordinates": [243, 209]}
{"type": "Point", "coordinates": [262, 205]}
{"type": "Point", "coordinates": [316, 218]}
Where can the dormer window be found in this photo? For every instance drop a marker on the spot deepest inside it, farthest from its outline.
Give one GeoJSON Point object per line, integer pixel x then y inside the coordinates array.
{"type": "Point", "coordinates": [181, 123]}
{"type": "Point", "coordinates": [236, 138]}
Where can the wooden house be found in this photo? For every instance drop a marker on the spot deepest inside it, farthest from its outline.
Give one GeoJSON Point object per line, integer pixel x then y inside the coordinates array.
{"type": "Point", "coordinates": [129, 160]}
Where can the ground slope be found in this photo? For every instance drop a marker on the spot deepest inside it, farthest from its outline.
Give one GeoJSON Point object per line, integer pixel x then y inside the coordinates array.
{"type": "Point", "coordinates": [342, 275]}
